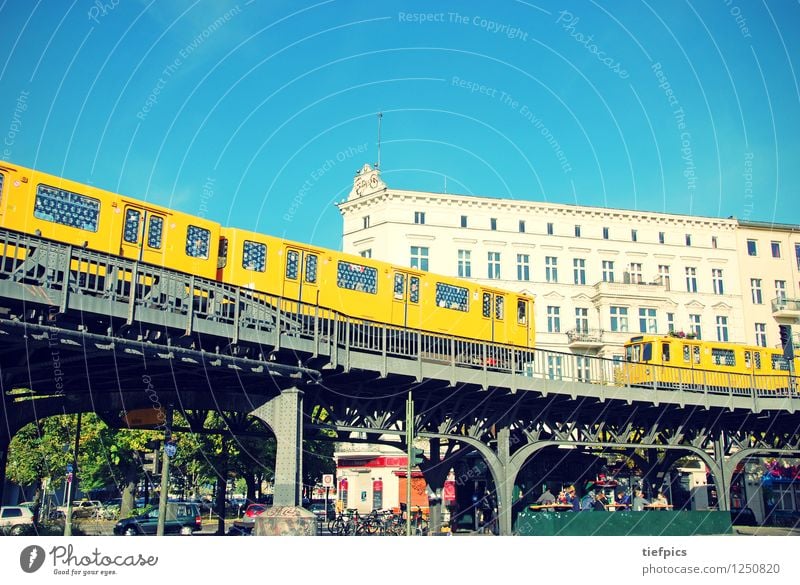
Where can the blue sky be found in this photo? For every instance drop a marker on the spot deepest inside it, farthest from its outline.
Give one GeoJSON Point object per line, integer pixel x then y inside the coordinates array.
{"type": "Point", "coordinates": [683, 107]}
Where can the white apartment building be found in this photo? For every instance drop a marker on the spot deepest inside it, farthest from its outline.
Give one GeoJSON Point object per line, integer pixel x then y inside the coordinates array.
{"type": "Point", "coordinates": [598, 275]}
{"type": "Point", "coordinates": [769, 266]}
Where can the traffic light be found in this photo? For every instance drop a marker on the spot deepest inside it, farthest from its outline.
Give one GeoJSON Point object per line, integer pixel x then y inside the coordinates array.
{"type": "Point", "coordinates": [416, 456]}
{"type": "Point", "coordinates": [786, 341]}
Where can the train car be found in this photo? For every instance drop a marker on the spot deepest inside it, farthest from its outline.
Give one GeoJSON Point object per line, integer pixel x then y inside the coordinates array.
{"type": "Point", "coordinates": [365, 288]}
{"type": "Point", "coordinates": [678, 362]}
{"type": "Point", "coordinates": [58, 209]}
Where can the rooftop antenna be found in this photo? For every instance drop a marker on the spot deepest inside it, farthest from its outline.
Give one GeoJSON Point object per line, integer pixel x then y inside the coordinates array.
{"type": "Point", "coordinates": [378, 164]}
{"type": "Point", "coordinates": [445, 184]}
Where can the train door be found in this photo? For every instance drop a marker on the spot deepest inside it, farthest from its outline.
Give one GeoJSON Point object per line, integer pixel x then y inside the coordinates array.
{"type": "Point", "coordinates": [524, 323]}
{"type": "Point", "coordinates": [301, 275]}
{"type": "Point", "coordinates": [143, 233]}
{"type": "Point", "coordinates": [405, 299]}
{"type": "Point", "coordinates": [493, 313]}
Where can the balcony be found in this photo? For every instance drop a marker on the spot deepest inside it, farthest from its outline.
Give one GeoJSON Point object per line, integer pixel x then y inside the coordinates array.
{"type": "Point", "coordinates": [786, 311]}
{"type": "Point", "coordinates": [640, 291]}
{"type": "Point", "coordinates": [585, 338]}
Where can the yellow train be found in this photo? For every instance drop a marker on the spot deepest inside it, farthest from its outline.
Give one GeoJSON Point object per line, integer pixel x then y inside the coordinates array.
{"type": "Point", "coordinates": [36, 203]}
{"type": "Point", "coordinates": [682, 363]}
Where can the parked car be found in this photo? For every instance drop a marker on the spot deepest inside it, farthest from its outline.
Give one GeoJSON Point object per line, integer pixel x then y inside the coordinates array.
{"type": "Point", "coordinates": [82, 508]}
{"type": "Point", "coordinates": [15, 520]}
{"type": "Point", "coordinates": [318, 508]}
{"type": "Point", "coordinates": [182, 518]}
{"type": "Point", "coordinates": [248, 521]}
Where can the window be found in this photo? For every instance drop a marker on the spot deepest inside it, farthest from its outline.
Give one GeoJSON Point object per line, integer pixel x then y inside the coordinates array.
{"type": "Point", "coordinates": [357, 277]}
{"type": "Point", "coordinates": [688, 239]}
{"type": "Point", "coordinates": [66, 208]}
{"type": "Point", "coordinates": [713, 241]}
{"type": "Point", "coordinates": [605, 233]}
{"type": "Point", "coordinates": [716, 278]}
{"type": "Point", "coordinates": [131, 231]}
{"type": "Point", "coordinates": [522, 312]}
{"type": "Point", "coordinates": [499, 307]}
{"type": "Point", "coordinates": [755, 291]}
{"type": "Point", "coordinates": [776, 249]}
{"type": "Point", "coordinates": [661, 237]}
{"type": "Point", "coordinates": [554, 367]}
{"type": "Point", "coordinates": [582, 320]}
{"type": "Point", "coordinates": [670, 321]}
{"type": "Point", "coordinates": [797, 254]}
{"type": "Point", "coordinates": [486, 305]}
{"type": "Point", "coordinates": [465, 264]}
{"type": "Point", "coordinates": [549, 229]}
{"type": "Point", "coordinates": [292, 264]}
{"type": "Point", "coordinates": [419, 217]}
{"type": "Point", "coordinates": [197, 242]}
{"type": "Point", "coordinates": [522, 226]}
{"type": "Point", "coordinates": [452, 297]}
{"type": "Point", "coordinates": [647, 321]}
{"type": "Point", "coordinates": [582, 368]}
{"type": "Point", "coordinates": [779, 363]}
{"type": "Point", "coordinates": [399, 286]}
{"type": "Point", "coordinates": [634, 236]}
{"type": "Point", "coordinates": [619, 319]}
{"type": "Point", "coordinates": [577, 231]}
{"type": "Point", "coordinates": [694, 326]}
{"type": "Point", "coordinates": [413, 289]}
{"type": "Point", "coordinates": [311, 268]}
{"type": "Point", "coordinates": [761, 334]}
{"type": "Point", "coordinates": [723, 357]}
{"type": "Point", "coordinates": [493, 224]}
{"type": "Point", "coordinates": [579, 270]}
{"type": "Point", "coordinates": [635, 273]}
{"type": "Point", "coordinates": [780, 290]}
{"type": "Point", "coordinates": [493, 268]}
{"type": "Point", "coordinates": [663, 275]}
{"type": "Point", "coordinates": [691, 279]}
{"type": "Point", "coordinates": [222, 259]}
{"type": "Point", "coordinates": [551, 269]}
{"type": "Point", "coordinates": [254, 256]}
{"type": "Point", "coordinates": [419, 257]}
{"type": "Point", "coordinates": [155, 230]}
{"type": "Point", "coordinates": [752, 248]}
{"type": "Point", "coordinates": [463, 221]}
{"type": "Point", "coordinates": [722, 328]}
{"type": "Point", "coordinates": [366, 221]}
{"type": "Point", "coordinates": [366, 253]}
{"type": "Point", "coordinates": [553, 319]}
{"type": "Point", "coordinates": [608, 271]}
{"type": "Point", "coordinates": [523, 267]}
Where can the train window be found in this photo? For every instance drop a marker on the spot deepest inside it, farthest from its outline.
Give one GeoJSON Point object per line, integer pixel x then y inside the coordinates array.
{"type": "Point", "coordinates": [292, 264]}
{"type": "Point", "coordinates": [499, 307]}
{"type": "Point", "coordinates": [452, 297]}
{"type": "Point", "coordinates": [66, 208]}
{"type": "Point", "coordinates": [311, 268]}
{"type": "Point", "coordinates": [629, 353]}
{"type": "Point", "coordinates": [131, 232]}
{"type": "Point", "coordinates": [696, 354]}
{"type": "Point", "coordinates": [198, 241]}
{"type": "Point", "coordinates": [222, 260]}
{"type": "Point", "coordinates": [522, 312]}
{"type": "Point", "coordinates": [723, 357]}
{"type": "Point", "coordinates": [748, 362]}
{"type": "Point", "coordinates": [254, 256]}
{"type": "Point", "coordinates": [413, 295]}
{"type": "Point", "coordinates": [665, 353]}
{"type": "Point", "coordinates": [779, 363]}
{"type": "Point", "coordinates": [357, 277]}
{"type": "Point", "coordinates": [686, 355]}
{"type": "Point", "coordinates": [399, 285]}
{"type": "Point", "coordinates": [647, 352]}
{"type": "Point", "coordinates": [487, 305]}
{"type": "Point", "coordinates": [155, 230]}
{"type": "Point", "coordinates": [757, 359]}
{"type": "Point", "coordinates": [2, 178]}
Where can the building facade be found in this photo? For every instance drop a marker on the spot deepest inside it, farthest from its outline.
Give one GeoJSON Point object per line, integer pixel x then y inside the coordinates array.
{"type": "Point", "coordinates": [598, 275]}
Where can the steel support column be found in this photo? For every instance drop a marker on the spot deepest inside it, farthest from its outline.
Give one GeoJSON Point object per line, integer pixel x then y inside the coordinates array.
{"type": "Point", "coordinates": [283, 414]}
{"type": "Point", "coordinates": [504, 476]}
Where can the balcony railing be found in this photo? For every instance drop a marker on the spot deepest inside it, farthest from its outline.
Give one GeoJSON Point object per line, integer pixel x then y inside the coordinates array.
{"type": "Point", "coordinates": [585, 336]}
{"type": "Point", "coordinates": [784, 304]}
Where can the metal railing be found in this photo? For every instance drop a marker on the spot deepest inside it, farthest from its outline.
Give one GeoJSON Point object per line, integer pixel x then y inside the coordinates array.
{"type": "Point", "coordinates": [160, 298]}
